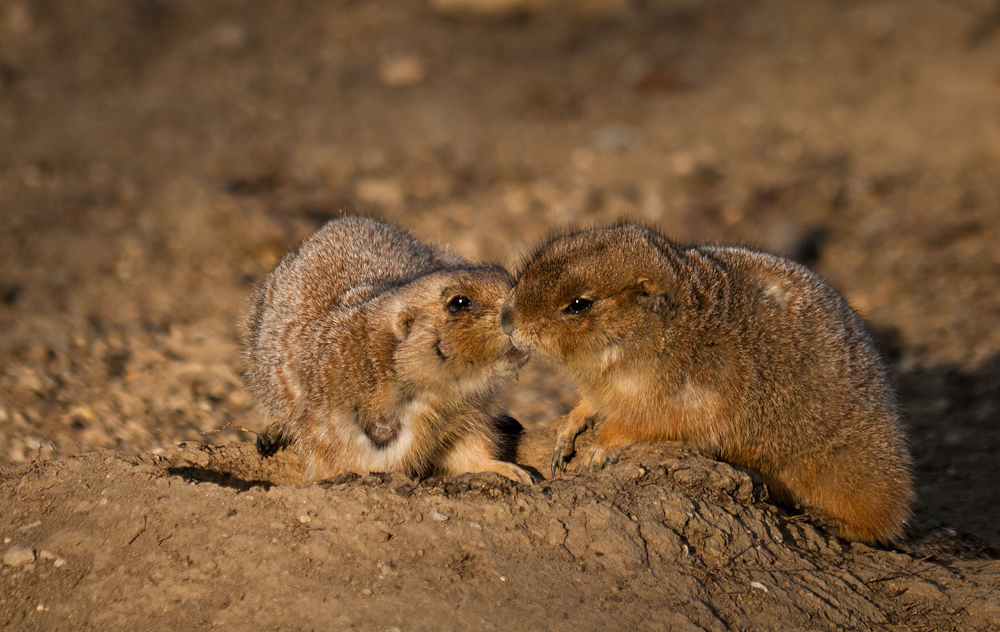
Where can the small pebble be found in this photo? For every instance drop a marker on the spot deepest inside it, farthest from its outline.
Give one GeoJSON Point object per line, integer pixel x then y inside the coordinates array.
{"type": "Point", "coordinates": [406, 70]}
{"type": "Point", "coordinates": [617, 138]}
{"type": "Point", "coordinates": [18, 556]}
{"type": "Point", "coordinates": [440, 517]}
{"type": "Point", "coordinates": [229, 37]}
{"type": "Point", "coordinates": [380, 192]}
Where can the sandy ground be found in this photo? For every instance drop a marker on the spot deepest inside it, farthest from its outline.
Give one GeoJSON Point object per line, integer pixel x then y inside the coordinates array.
{"type": "Point", "coordinates": [158, 157]}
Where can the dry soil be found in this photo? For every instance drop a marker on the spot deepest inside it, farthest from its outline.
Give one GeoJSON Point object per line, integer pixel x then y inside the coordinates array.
{"type": "Point", "coordinates": [157, 157]}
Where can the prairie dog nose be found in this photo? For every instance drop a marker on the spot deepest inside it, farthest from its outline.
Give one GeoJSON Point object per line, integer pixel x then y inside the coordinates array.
{"type": "Point", "coordinates": [507, 319]}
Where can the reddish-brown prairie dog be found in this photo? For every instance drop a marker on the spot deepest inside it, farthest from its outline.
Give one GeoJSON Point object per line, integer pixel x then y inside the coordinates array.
{"type": "Point", "coordinates": [368, 350]}
{"type": "Point", "coordinates": [747, 355]}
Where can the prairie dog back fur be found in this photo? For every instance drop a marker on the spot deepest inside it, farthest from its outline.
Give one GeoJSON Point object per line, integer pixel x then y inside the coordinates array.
{"type": "Point", "coordinates": [747, 355]}
{"type": "Point", "coordinates": [370, 351]}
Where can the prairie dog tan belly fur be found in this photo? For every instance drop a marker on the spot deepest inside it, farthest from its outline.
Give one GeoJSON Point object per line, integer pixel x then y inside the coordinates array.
{"type": "Point", "coordinates": [370, 351]}
{"type": "Point", "coordinates": [745, 354]}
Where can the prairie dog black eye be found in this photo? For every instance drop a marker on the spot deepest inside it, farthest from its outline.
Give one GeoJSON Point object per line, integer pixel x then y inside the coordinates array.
{"type": "Point", "coordinates": [460, 304]}
{"type": "Point", "coordinates": [578, 305]}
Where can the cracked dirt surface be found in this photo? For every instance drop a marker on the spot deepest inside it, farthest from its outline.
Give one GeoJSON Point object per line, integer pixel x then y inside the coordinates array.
{"type": "Point", "coordinates": [666, 540]}
{"type": "Point", "coordinates": [158, 157]}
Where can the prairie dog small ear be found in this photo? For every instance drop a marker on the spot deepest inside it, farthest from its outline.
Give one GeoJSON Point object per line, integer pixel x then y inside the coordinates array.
{"type": "Point", "coordinates": [401, 321]}
{"type": "Point", "coordinates": [651, 296]}
{"type": "Point", "coordinates": [646, 286]}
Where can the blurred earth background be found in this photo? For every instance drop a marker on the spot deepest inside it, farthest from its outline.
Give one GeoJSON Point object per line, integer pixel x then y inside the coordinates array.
{"type": "Point", "coordinates": [158, 157]}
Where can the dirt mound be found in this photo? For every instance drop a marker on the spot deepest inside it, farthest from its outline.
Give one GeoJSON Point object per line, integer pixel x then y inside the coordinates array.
{"type": "Point", "coordinates": [203, 536]}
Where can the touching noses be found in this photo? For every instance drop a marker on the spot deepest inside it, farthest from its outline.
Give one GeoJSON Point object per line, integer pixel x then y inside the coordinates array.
{"type": "Point", "coordinates": [507, 319]}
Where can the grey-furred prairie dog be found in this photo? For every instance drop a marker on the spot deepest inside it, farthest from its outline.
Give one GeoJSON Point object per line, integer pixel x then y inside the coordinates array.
{"type": "Point", "coordinates": [370, 351]}
{"type": "Point", "coordinates": [745, 354]}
